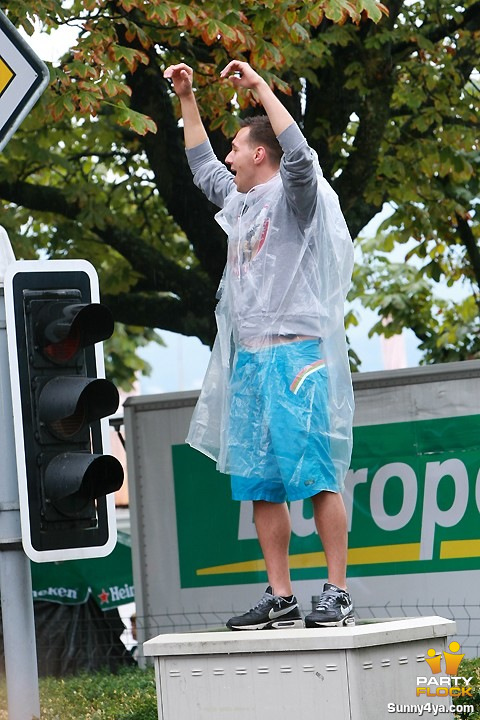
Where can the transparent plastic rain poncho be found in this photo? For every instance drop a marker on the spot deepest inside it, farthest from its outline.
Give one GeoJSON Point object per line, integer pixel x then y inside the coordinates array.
{"type": "Point", "coordinates": [288, 270]}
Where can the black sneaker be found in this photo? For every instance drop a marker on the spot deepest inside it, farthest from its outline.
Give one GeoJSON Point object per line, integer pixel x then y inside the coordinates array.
{"type": "Point", "coordinates": [271, 612]}
{"type": "Point", "coordinates": [334, 608]}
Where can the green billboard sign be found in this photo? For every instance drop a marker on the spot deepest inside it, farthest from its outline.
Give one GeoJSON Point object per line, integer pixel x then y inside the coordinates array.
{"type": "Point", "coordinates": [412, 497]}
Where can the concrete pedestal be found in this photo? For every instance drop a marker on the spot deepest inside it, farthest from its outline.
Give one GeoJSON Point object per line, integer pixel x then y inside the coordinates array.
{"type": "Point", "coordinates": [367, 672]}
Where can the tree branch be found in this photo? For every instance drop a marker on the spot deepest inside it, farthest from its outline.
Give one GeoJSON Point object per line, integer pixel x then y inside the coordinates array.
{"type": "Point", "coordinates": [470, 21]}
{"type": "Point", "coordinates": [193, 288]}
{"type": "Point", "coordinates": [166, 156]}
{"type": "Point", "coordinates": [157, 311]}
{"type": "Point", "coordinates": [469, 240]}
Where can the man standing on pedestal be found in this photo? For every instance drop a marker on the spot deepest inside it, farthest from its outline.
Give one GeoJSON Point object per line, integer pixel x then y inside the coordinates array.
{"type": "Point", "coordinates": [276, 406]}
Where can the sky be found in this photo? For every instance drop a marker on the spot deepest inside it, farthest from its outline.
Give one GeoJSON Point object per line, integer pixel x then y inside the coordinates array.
{"type": "Point", "coordinates": [182, 363]}
{"type": "Point", "coordinates": [50, 47]}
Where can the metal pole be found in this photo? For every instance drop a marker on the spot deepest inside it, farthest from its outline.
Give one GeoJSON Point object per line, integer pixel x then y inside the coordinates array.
{"type": "Point", "coordinates": [15, 577]}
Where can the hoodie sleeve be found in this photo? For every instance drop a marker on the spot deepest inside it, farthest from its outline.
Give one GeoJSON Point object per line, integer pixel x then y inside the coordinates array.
{"type": "Point", "coordinates": [209, 174]}
{"type": "Point", "coordinates": [298, 173]}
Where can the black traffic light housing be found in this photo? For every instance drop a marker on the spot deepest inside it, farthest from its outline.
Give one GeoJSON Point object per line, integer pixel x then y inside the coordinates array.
{"type": "Point", "coordinates": [60, 399]}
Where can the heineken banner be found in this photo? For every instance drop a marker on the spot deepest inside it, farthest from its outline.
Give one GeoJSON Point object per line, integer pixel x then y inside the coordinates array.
{"type": "Point", "coordinates": [108, 580]}
{"type": "Point", "coordinates": [413, 507]}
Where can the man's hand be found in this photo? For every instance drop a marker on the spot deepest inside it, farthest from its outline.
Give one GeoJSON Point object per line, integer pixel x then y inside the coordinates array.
{"type": "Point", "coordinates": [182, 78]}
{"type": "Point", "coordinates": [242, 75]}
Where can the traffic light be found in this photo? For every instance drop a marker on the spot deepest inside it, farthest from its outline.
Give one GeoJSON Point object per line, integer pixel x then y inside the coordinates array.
{"type": "Point", "coordinates": [60, 399]}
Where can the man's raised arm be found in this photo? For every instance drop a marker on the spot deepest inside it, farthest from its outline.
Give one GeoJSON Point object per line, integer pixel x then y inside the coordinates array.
{"type": "Point", "coordinates": [182, 78]}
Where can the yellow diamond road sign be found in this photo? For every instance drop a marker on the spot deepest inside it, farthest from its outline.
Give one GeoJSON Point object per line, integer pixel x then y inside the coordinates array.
{"type": "Point", "coordinates": [23, 78]}
{"type": "Point", "coordinates": [6, 75]}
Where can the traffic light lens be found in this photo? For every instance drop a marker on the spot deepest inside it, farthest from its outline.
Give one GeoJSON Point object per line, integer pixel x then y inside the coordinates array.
{"type": "Point", "coordinates": [75, 479]}
{"type": "Point", "coordinates": [68, 404]}
{"type": "Point", "coordinates": [69, 426]}
{"type": "Point", "coordinates": [66, 349]}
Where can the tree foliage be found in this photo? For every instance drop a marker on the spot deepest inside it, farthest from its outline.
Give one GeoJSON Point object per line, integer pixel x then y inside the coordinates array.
{"type": "Point", "coordinates": [386, 94]}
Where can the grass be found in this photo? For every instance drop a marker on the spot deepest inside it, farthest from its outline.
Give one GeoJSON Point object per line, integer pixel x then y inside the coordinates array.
{"type": "Point", "coordinates": [471, 668]}
{"type": "Point", "coordinates": [126, 695]}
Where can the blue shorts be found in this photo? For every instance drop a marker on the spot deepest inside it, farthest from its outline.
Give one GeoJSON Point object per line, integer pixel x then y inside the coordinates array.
{"type": "Point", "coordinates": [279, 445]}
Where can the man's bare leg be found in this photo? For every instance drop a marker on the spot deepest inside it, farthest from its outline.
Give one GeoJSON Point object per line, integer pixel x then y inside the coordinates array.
{"type": "Point", "coordinates": [335, 607]}
{"type": "Point", "coordinates": [272, 612]}
{"type": "Point", "coordinates": [331, 523]}
{"type": "Point", "coordinates": [272, 521]}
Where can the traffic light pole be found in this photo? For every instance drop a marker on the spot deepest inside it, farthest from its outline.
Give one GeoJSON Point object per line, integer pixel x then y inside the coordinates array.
{"type": "Point", "coordinates": [15, 577]}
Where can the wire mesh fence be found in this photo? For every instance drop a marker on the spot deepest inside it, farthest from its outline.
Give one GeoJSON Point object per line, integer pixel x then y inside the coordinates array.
{"type": "Point", "coordinates": [73, 639]}
{"type": "Point", "coordinates": [76, 638]}
{"type": "Point", "coordinates": [467, 618]}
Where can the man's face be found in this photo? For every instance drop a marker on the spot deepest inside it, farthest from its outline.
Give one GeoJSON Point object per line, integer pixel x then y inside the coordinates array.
{"type": "Point", "coordinates": [241, 161]}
